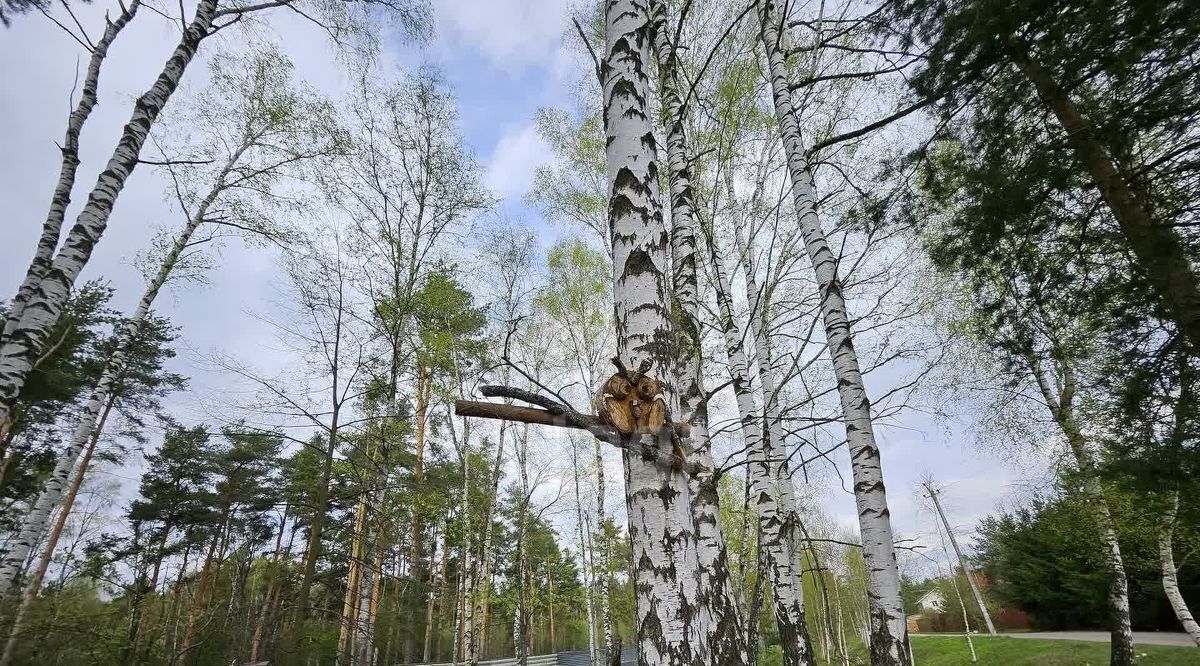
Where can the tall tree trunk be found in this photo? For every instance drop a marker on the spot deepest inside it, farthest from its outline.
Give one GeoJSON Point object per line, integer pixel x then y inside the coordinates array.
{"type": "Point", "coordinates": [603, 582]}
{"type": "Point", "coordinates": [485, 571]}
{"type": "Point", "coordinates": [521, 639]}
{"type": "Point", "coordinates": [25, 340]}
{"type": "Point", "coordinates": [321, 501]}
{"type": "Point", "coordinates": [587, 559]}
{"type": "Point", "coordinates": [888, 627]}
{"type": "Point", "coordinates": [350, 599]}
{"type": "Point", "coordinates": [272, 591]}
{"type": "Point", "coordinates": [171, 632]}
{"type": "Point", "coordinates": [771, 485]}
{"type": "Point", "coordinates": [363, 640]}
{"type": "Point", "coordinates": [432, 585]}
{"type": "Point", "coordinates": [1157, 249]}
{"type": "Point", "coordinates": [369, 603]}
{"type": "Point", "coordinates": [1062, 408]}
{"type": "Point", "coordinates": [727, 644]}
{"type": "Point", "coordinates": [672, 620]}
{"type": "Point", "coordinates": [107, 387]}
{"type": "Point", "coordinates": [61, 198]}
{"type": "Point", "coordinates": [1166, 557]}
{"type": "Point", "coordinates": [416, 551]}
{"type": "Point", "coordinates": [470, 564]}
{"type": "Point", "coordinates": [43, 565]}
{"type": "Point", "coordinates": [188, 647]}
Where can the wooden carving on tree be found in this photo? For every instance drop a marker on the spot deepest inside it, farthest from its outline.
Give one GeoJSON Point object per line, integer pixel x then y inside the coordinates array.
{"type": "Point", "coordinates": [629, 403]}
{"type": "Point", "coordinates": [632, 402]}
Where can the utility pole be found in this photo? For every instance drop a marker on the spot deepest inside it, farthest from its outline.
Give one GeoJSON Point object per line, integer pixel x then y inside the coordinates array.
{"type": "Point", "coordinates": [987, 619]}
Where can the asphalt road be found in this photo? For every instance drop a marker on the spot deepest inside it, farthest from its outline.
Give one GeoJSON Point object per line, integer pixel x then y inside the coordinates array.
{"type": "Point", "coordinates": [1139, 637]}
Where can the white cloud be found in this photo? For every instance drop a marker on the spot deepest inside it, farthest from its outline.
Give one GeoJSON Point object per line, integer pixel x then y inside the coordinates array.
{"type": "Point", "coordinates": [518, 153]}
{"type": "Point", "coordinates": [511, 34]}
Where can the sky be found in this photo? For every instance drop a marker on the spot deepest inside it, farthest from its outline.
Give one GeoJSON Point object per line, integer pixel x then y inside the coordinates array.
{"type": "Point", "coordinates": [504, 59]}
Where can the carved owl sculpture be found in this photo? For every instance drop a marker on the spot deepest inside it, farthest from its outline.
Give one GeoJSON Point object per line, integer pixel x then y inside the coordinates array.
{"type": "Point", "coordinates": [632, 402]}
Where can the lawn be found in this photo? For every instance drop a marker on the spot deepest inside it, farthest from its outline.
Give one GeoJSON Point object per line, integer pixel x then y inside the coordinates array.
{"type": "Point", "coordinates": [1001, 651]}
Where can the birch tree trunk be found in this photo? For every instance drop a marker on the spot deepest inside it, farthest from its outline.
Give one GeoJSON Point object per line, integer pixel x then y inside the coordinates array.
{"type": "Point", "coordinates": [52, 227]}
{"type": "Point", "coordinates": [43, 565]}
{"type": "Point", "coordinates": [1062, 408]}
{"type": "Point", "coordinates": [1166, 557]}
{"type": "Point", "coordinates": [888, 625]}
{"type": "Point", "coordinates": [587, 560]}
{"type": "Point", "coordinates": [770, 484]}
{"type": "Point", "coordinates": [727, 643]}
{"type": "Point", "coordinates": [34, 524]}
{"type": "Point", "coordinates": [350, 599]}
{"type": "Point", "coordinates": [521, 617]}
{"type": "Point", "coordinates": [604, 580]}
{"type": "Point", "coordinates": [671, 618]}
{"type": "Point", "coordinates": [485, 572]}
{"type": "Point", "coordinates": [1156, 247]}
{"type": "Point", "coordinates": [22, 344]}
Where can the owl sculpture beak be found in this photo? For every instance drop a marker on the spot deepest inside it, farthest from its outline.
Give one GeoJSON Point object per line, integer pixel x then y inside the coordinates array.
{"type": "Point", "coordinates": [636, 406]}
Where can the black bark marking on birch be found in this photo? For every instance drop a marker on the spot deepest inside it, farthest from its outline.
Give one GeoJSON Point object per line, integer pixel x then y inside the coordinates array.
{"type": "Point", "coordinates": [639, 262]}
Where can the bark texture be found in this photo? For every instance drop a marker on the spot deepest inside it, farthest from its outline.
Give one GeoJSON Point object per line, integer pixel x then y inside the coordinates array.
{"type": "Point", "coordinates": [61, 198]}
{"type": "Point", "coordinates": [1062, 409]}
{"type": "Point", "coordinates": [669, 618]}
{"type": "Point", "coordinates": [772, 496]}
{"type": "Point", "coordinates": [24, 342]}
{"type": "Point", "coordinates": [888, 628]}
{"type": "Point", "coordinates": [727, 643]}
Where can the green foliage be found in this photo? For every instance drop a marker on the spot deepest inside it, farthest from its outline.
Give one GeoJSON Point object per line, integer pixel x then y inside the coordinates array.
{"type": "Point", "coordinates": [1045, 558]}
{"type": "Point", "coordinates": [1008, 207]}
{"type": "Point", "coordinates": [573, 191]}
{"type": "Point", "coordinates": [449, 324]}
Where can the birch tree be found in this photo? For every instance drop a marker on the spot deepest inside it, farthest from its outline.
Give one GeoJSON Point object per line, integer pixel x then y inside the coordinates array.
{"type": "Point", "coordinates": [1170, 578]}
{"type": "Point", "coordinates": [672, 620]}
{"type": "Point", "coordinates": [889, 644]}
{"type": "Point", "coordinates": [52, 279]}
{"type": "Point", "coordinates": [263, 123]}
{"type": "Point", "coordinates": [729, 644]}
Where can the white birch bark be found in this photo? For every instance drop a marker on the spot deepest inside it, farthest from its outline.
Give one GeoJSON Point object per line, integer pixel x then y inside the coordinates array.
{"type": "Point", "coordinates": [587, 560]}
{"type": "Point", "coordinates": [771, 470]}
{"type": "Point", "coordinates": [470, 564]}
{"type": "Point", "coordinates": [602, 581]}
{"type": "Point", "coordinates": [670, 617]}
{"type": "Point", "coordinates": [888, 625]}
{"type": "Point", "coordinates": [363, 641]}
{"type": "Point", "coordinates": [52, 227]}
{"type": "Point", "coordinates": [35, 522]}
{"type": "Point", "coordinates": [485, 571]}
{"type": "Point", "coordinates": [773, 496]}
{"type": "Point", "coordinates": [521, 617]}
{"type": "Point", "coordinates": [1062, 407]}
{"type": "Point", "coordinates": [1166, 556]}
{"type": "Point", "coordinates": [727, 641]}
{"type": "Point", "coordinates": [24, 342]}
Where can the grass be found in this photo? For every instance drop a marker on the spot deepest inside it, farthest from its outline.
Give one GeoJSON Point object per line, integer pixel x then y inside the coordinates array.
{"type": "Point", "coordinates": [1002, 651]}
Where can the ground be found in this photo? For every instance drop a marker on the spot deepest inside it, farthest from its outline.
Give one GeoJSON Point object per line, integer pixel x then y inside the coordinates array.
{"type": "Point", "coordinates": [1177, 638]}
{"type": "Point", "coordinates": [951, 650]}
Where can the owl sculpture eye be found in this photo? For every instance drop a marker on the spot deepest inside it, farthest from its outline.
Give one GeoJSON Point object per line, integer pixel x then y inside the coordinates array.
{"type": "Point", "coordinates": [619, 387]}
{"type": "Point", "coordinates": [648, 388]}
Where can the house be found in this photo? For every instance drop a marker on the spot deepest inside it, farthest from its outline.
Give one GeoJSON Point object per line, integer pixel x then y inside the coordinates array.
{"type": "Point", "coordinates": [932, 601]}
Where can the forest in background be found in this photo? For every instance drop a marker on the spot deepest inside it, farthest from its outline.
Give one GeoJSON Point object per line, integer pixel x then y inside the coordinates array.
{"type": "Point", "coordinates": [791, 225]}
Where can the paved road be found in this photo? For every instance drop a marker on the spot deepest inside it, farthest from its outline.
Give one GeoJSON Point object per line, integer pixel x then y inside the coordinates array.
{"type": "Point", "coordinates": [1139, 637]}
